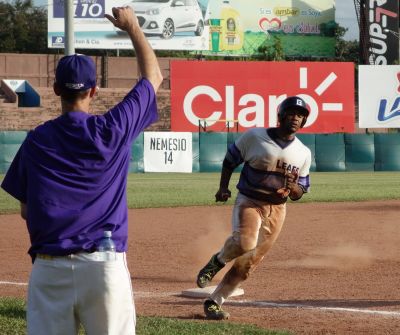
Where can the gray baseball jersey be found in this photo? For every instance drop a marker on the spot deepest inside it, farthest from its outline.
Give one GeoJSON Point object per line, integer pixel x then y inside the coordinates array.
{"type": "Point", "coordinates": [266, 161]}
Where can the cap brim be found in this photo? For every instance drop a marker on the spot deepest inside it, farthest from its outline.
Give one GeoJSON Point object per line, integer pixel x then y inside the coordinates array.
{"type": "Point", "coordinates": [304, 110]}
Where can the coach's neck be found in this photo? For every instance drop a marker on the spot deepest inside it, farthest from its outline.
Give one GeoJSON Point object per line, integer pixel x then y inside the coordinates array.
{"type": "Point", "coordinates": [76, 102]}
{"type": "Point", "coordinates": [82, 105]}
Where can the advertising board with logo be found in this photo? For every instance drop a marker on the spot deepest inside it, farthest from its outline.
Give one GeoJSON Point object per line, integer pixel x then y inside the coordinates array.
{"type": "Point", "coordinates": [222, 96]}
{"type": "Point", "coordinates": [383, 28]}
{"type": "Point", "coordinates": [379, 96]}
{"type": "Point", "coordinates": [168, 24]}
{"type": "Point", "coordinates": [239, 27]}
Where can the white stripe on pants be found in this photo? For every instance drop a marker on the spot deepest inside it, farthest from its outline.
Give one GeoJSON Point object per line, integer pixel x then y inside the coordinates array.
{"type": "Point", "coordinates": [80, 288]}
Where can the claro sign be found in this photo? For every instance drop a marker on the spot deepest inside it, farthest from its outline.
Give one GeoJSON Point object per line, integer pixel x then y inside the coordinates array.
{"type": "Point", "coordinates": [218, 96]}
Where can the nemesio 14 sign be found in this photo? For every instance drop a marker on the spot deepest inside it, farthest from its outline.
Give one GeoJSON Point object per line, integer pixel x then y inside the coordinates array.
{"type": "Point", "coordinates": [218, 96]}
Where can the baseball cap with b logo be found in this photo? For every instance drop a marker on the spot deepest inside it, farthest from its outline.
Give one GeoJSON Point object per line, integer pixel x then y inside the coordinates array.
{"type": "Point", "coordinates": [293, 103]}
{"type": "Point", "coordinates": [76, 73]}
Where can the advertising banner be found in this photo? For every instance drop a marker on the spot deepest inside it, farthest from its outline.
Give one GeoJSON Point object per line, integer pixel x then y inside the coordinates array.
{"type": "Point", "coordinates": [379, 96]}
{"type": "Point", "coordinates": [167, 152]}
{"type": "Point", "coordinates": [168, 24]}
{"type": "Point", "coordinates": [218, 96]}
{"type": "Point", "coordinates": [383, 27]}
{"type": "Point", "coordinates": [292, 28]}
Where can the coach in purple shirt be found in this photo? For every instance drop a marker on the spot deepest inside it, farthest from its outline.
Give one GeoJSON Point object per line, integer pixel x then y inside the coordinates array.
{"type": "Point", "coordinates": [70, 177]}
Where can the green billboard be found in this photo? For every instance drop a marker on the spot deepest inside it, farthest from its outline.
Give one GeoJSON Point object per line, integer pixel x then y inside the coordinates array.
{"type": "Point", "coordinates": [287, 27]}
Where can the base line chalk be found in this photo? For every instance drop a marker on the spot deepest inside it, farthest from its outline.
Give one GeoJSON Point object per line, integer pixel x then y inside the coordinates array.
{"type": "Point", "coordinates": [321, 308]}
{"type": "Point", "coordinates": [141, 294]}
{"type": "Point", "coordinates": [13, 283]}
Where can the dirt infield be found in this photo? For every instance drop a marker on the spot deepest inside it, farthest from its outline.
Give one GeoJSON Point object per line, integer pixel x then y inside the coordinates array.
{"type": "Point", "coordinates": [335, 268]}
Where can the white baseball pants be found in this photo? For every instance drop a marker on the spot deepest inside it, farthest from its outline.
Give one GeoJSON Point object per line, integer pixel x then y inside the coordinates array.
{"type": "Point", "coordinates": [80, 288]}
{"type": "Point", "coordinates": [255, 227]}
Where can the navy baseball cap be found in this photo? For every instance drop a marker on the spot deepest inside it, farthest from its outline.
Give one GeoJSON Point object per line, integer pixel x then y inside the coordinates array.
{"type": "Point", "coordinates": [295, 103]}
{"type": "Point", "coordinates": [76, 73]}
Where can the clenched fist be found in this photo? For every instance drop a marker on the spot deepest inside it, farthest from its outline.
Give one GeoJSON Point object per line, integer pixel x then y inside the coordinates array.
{"type": "Point", "coordinates": [222, 195]}
{"type": "Point", "coordinates": [290, 185]}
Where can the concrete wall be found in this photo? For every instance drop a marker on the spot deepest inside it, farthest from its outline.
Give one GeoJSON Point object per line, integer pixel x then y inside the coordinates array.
{"type": "Point", "coordinates": [16, 118]}
{"type": "Point", "coordinates": [115, 76]}
{"type": "Point", "coordinates": [39, 69]}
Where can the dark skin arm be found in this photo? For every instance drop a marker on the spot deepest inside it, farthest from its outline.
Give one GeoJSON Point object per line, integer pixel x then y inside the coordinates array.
{"type": "Point", "coordinates": [292, 188]}
{"type": "Point", "coordinates": [223, 193]}
{"type": "Point", "coordinates": [296, 192]}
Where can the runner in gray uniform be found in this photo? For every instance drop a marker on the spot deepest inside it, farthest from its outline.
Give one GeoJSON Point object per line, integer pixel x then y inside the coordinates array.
{"type": "Point", "coordinates": [276, 167]}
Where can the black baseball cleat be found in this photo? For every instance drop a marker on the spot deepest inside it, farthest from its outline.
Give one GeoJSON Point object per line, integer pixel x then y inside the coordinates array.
{"type": "Point", "coordinates": [214, 311]}
{"type": "Point", "coordinates": [207, 273]}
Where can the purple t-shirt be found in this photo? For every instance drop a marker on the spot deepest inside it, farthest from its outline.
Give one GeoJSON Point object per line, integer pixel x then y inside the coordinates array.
{"type": "Point", "coordinates": [71, 172]}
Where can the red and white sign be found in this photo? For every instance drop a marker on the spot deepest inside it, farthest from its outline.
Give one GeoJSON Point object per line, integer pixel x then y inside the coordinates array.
{"type": "Point", "coordinates": [379, 96]}
{"type": "Point", "coordinates": [211, 93]}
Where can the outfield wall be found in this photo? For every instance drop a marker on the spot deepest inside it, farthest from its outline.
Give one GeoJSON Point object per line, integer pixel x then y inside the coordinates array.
{"type": "Point", "coordinates": [330, 152]}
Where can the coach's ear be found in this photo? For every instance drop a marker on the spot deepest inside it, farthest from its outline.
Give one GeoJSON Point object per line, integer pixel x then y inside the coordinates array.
{"type": "Point", "coordinates": [56, 89]}
{"type": "Point", "coordinates": [93, 91]}
{"type": "Point", "coordinates": [23, 210]}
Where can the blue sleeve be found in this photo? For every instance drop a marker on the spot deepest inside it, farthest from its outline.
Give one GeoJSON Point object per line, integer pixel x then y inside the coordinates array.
{"type": "Point", "coordinates": [15, 181]}
{"type": "Point", "coordinates": [233, 158]}
{"type": "Point", "coordinates": [134, 113]}
{"type": "Point", "coordinates": [304, 183]}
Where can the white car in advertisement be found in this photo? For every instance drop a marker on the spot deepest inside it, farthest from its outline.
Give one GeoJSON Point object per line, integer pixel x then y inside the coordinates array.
{"type": "Point", "coordinates": [167, 24]}
{"type": "Point", "coordinates": [167, 17]}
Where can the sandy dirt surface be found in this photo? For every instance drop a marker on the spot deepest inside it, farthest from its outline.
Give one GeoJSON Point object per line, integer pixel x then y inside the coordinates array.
{"type": "Point", "coordinates": [335, 268]}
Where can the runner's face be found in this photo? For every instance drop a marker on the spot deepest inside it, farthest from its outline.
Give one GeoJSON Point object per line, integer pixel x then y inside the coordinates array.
{"type": "Point", "coordinates": [292, 121]}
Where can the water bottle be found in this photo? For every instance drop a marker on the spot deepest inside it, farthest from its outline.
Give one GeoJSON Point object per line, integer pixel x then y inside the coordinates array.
{"type": "Point", "coordinates": [106, 247]}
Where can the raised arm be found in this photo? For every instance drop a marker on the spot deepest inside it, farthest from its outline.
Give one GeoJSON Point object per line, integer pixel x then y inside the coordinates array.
{"type": "Point", "coordinates": [125, 19]}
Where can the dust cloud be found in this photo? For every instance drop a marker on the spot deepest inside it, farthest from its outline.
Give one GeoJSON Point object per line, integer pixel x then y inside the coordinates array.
{"type": "Point", "coordinates": [341, 257]}
{"type": "Point", "coordinates": [208, 242]}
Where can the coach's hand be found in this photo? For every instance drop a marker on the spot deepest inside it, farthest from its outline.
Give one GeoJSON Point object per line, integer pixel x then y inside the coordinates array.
{"type": "Point", "coordinates": [123, 18]}
{"type": "Point", "coordinates": [222, 195]}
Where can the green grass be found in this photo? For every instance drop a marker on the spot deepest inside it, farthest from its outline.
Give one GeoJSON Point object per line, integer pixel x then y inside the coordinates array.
{"type": "Point", "coordinates": [13, 322]}
{"type": "Point", "coordinates": [353, 186]}
{"type": "Point", "coordinates": [197, 189]}
{"type": "Point", "coordinates": [150, 326]}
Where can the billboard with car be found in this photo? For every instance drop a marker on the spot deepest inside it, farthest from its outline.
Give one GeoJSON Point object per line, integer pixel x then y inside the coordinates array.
{"type": "Point", "coordinates": [168, 24]}
{"type": "Point", "coordinates": [272, 29]}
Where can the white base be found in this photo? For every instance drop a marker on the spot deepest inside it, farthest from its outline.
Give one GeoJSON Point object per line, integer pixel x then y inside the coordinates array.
{"type": "Point", "coordinates": [206, 292]}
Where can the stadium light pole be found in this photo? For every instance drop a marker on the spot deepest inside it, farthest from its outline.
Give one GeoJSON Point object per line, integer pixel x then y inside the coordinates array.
{"type": "Point", "coordinates": [69, 38]}
{"type": "Point", "coordinates": [386, 30]}
{"type": "Point", "coordinates": [391, 31]}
